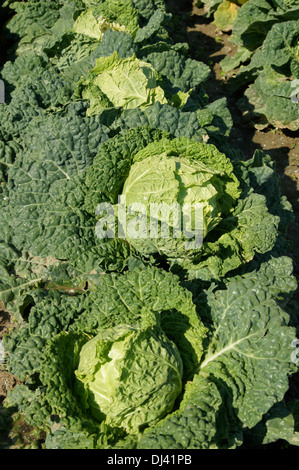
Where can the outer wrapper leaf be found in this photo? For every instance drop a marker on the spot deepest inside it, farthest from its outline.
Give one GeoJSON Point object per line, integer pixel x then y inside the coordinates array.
{"type": "Point", "coordinates": [257, 346]}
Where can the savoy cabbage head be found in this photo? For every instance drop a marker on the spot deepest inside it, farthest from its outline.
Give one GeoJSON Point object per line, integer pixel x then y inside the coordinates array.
{"type": "Point", "coordinates": [125, 83]}
{"type": "Point", "coordinates": [132, 376]}
{"type": "Point", "coordinates": [116, 15]}
{"type": "Point", "coordinates": [167, 173]}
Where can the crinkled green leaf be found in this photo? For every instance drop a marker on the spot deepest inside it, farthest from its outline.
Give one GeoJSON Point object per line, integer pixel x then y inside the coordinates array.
{"type": "Point", "coordinates": [280, 423]}
{"type": "Point", "coordinates": [34, 97]}
{"type": "Point", "coordinates": [44, 321]}
{"type": "Point", "coordinates": [154, 24]}
{"type": "Point", "coordinates": [258, 344]}
{"type": "Point", "coordinates": [193, 426]}
{"type": "Point", "coordinates": [164, 117]}
{"type": "Point", "coordinates": [112, 163]}
{"type": "Point", "coordinates": [281, 43]}
{"type": "Point", "coordinates": [251, 229]}
{"type": "Point", "coordinates": [219, 123]}
{"type": "Point", "coordinates": [47, 216]}
{"type": "Point", "coordinates": [23, 68]}
{"type": "Point", "coordinates": [20, 273]}
{"type": "Point", "coordinates": [147, 8]}
{"type": "Point", "coordinates": [36, 22]}
{"type": "Point", "coordinates": [229, 63]}
{"type": "Point", "coordinates": [270, 97]}
{"type": "Point", "coordinates": [253, 22]}
{"type": "Point", "coordinates": [182, 73]}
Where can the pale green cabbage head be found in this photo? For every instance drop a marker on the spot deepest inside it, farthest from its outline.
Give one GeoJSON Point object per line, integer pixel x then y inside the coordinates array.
{"type": "Point", "coordinates": [117, 15]}
{"type": "Point", "coordinates": [172, 198]}
{"type": "Point", "coordinates": [129, 376]}
{"type": "Point", "coordinates": [126, 83]}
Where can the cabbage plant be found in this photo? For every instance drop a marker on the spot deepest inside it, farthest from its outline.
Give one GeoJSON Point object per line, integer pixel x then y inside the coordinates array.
{"type": "Point", "coordinates": [138, 361]}
{"type": "Point", "coordinates": [235, 222]}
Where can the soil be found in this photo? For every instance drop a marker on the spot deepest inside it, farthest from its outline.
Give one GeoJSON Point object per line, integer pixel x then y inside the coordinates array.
{"type": "Point", "coordinates": [210, 45]}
